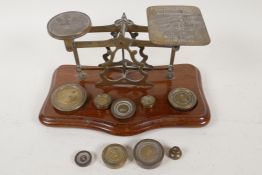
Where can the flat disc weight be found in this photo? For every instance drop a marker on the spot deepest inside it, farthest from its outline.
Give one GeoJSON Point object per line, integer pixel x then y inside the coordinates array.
{"type": "Point", "coordinates": [68, 97]}
{"type": "Point", "coordinates": [123, 108]}
{"type": "Point", "coordinates": [182, 99]}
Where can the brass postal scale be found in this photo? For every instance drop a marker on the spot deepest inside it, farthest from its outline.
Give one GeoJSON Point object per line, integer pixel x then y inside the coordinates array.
{"type": "Point", "coordinates": [129, 96]}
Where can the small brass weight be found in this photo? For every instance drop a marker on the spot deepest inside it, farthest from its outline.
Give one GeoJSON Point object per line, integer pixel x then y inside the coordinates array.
{"type": "Point", "coordinates": [127, 96]}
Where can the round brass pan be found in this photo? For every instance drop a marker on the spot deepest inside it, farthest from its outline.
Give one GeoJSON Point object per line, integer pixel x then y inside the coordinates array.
{"type": "Point", "coordinates": [69, 25]}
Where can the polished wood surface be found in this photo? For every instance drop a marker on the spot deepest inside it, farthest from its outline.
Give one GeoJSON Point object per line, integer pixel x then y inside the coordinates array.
{"type": "Point", "coordinates": [161, 115]}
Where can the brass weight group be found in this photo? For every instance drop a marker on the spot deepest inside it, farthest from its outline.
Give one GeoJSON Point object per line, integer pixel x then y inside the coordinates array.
{"type": "Point", "coordinates": [71, 97]}
{"type": "Point", "coordinates": [148, 154]}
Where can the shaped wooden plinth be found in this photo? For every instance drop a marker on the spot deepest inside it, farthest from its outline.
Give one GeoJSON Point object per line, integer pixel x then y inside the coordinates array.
{"type": "Point", "coordinates": [161, 115]}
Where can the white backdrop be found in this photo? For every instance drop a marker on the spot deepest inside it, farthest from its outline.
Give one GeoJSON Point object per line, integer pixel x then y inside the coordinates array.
{"type": "Point", "coordinates": [231, 74]}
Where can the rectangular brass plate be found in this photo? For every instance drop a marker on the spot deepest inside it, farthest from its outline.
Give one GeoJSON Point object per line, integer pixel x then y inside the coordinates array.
{"type": "Point", "coordinates": [176, 25]}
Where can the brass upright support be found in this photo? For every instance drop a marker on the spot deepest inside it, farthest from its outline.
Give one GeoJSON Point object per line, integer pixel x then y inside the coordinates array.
{"type": "Point", "coordinates": [81, 75]}
{"type": "Point", "coordinates": [170, 72]}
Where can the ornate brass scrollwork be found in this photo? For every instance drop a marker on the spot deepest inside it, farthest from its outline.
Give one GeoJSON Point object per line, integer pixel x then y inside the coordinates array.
{"type": "Point", "coordinates": [122, 43]}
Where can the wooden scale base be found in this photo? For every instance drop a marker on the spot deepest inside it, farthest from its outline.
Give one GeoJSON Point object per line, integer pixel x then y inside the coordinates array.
{"type": "Point", "coordinates": [161, 115]}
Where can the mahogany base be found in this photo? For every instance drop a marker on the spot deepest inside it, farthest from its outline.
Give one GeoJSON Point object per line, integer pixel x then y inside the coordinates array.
{"type": "Point", "coordinates": [161, 115]}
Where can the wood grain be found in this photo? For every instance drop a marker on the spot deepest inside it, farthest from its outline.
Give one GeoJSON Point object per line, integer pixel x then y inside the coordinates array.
{"type": "Point", "coordinates": [162, 115]}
